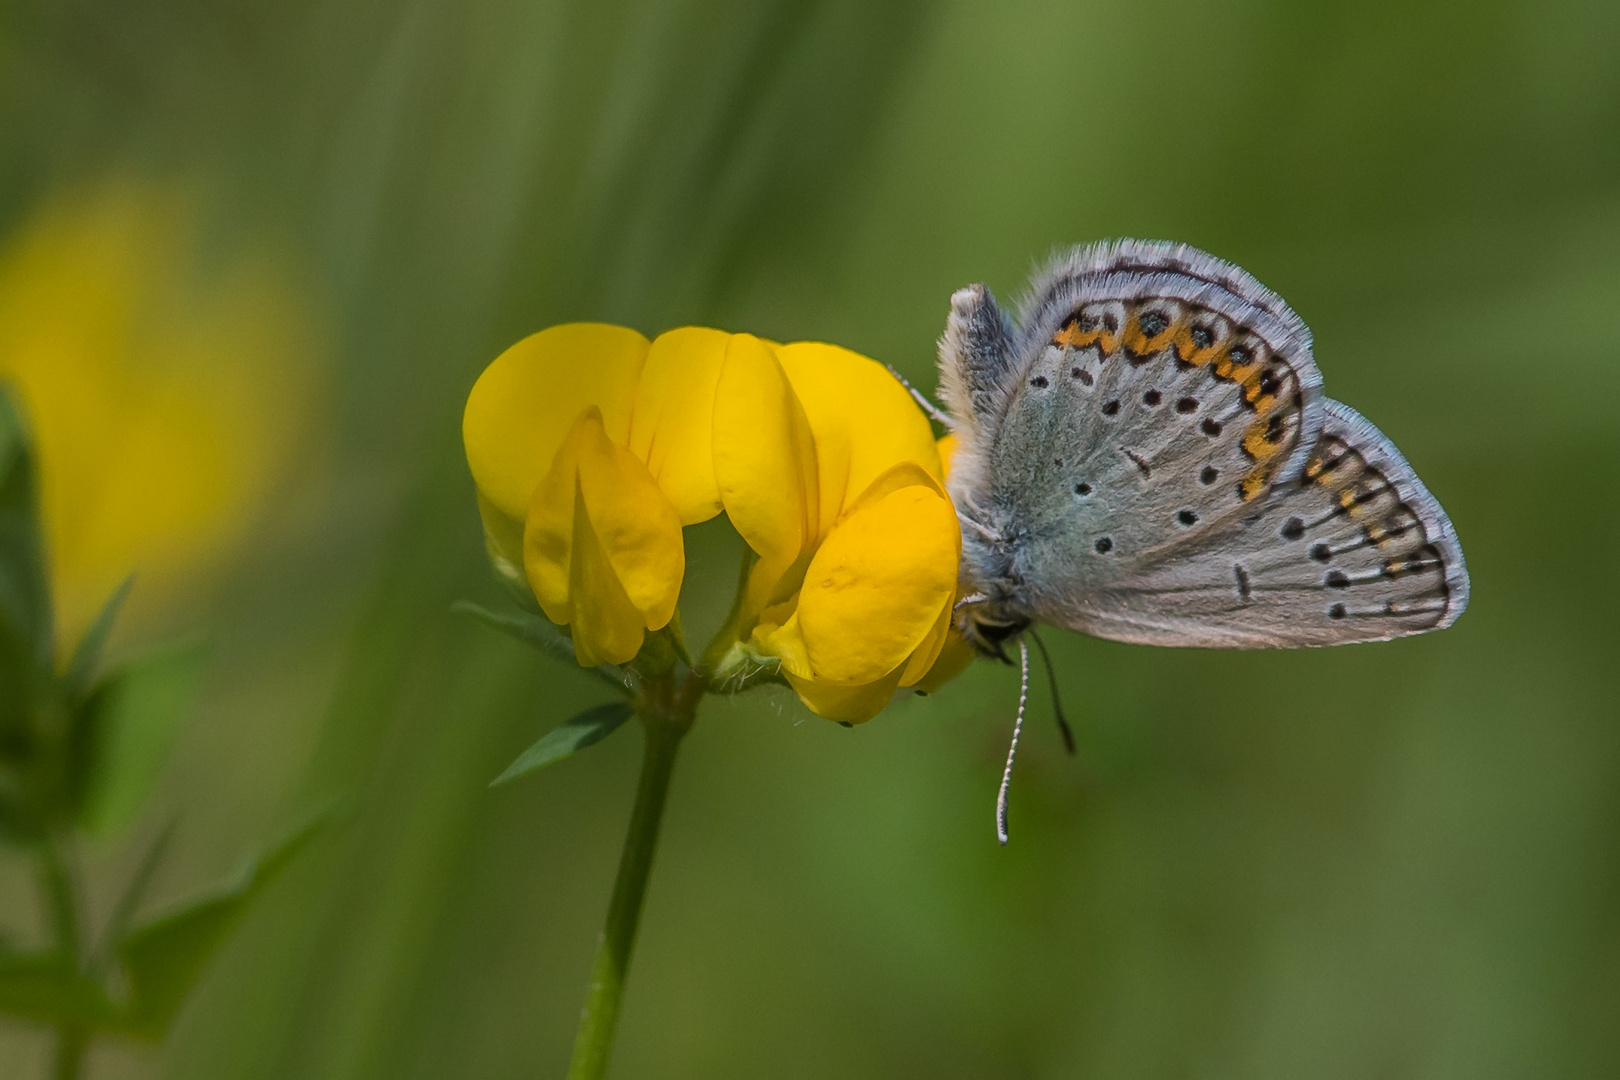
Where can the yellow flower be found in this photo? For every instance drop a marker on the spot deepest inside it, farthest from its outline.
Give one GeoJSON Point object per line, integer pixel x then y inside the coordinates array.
{"type": "Point", "coordinates": [591, 448]}
{"type": "Point", "coordinates": [165, 401]}
{"type": "Point", "coordinates": [830, 473]}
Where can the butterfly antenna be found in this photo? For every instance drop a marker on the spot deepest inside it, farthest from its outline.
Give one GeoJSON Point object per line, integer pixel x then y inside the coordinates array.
{"type": "Point", "coordinates": [1012, 750]}
{"type": "Point", "coordinates": [927, 406]}
{"type": "Point", "coordinates": [1057, 700]}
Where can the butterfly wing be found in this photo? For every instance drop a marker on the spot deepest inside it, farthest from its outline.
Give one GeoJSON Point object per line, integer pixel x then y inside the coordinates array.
{"type": "Point", "coordinates": [1135, 450]}
{"type": "Point", "coordinates": [1356, 549]}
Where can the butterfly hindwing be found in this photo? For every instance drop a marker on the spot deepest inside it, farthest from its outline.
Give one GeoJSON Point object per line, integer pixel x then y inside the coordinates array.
{"type": "Point", "coordinates": [1355, 549]}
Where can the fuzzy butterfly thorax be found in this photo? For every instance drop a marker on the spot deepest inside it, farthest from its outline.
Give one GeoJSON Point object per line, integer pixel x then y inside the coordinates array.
{"type": "Point", "coordinates": [1146, 455]}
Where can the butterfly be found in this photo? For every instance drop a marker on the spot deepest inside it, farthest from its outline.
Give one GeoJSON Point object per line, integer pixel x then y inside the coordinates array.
{"type": "Point", "coordinates": [1146, 455]}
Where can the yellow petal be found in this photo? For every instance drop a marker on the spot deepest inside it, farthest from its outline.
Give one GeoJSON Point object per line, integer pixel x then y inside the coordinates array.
{"type": "Point", "coordinates": [946, 446]}
{"type": "Point", "coordinates": [846, 704]}
{"type": "Point", "coordinates": [524, 404]}
{"type": "Point", "coordinates": [638, 530]}
{"type": "Point", "coordinates": [875, 588]}
{"type": "Point", "coordinates": [864, 421]}
{"type": "Point", "coordinates": [672, 427]}
{"type": "Point", "coordinates": [607, 628]}
{"type": "Point", "coordinates": [602, 547]}
{"type": "Point", "coordinates": [548, 534]}
{"type": "Point", "coordinates": [922, 658]}
{"type": "Point", "coordinates": [764, 463]}
{"type": "Point", "coordinates": [953, 660]}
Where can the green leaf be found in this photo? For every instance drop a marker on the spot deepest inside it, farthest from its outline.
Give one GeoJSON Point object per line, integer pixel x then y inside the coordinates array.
{"type": "Point", "coordinates": [164, 959]}
{"type": "Point", "coordinates": [81, 670]}
{"type": "Point", "coordinates": [26, 646]}
{"type": "Point", "coordinates": [123, 733]}
{"type": "Point", "coordinates": [42, 988]}
{"type": "Point", "coordinates": [539, 634]}
{"type": "Point", "coordinates": [590, 726]}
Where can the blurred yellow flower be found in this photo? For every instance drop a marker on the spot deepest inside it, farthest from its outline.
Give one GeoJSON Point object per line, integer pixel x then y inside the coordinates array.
{"type": "Point", "coordinates": [591, 448]}
{"type": "Point", "coordinates": [165, 398]}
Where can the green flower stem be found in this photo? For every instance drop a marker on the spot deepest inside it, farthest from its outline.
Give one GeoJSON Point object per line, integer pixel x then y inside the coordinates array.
{"type": "Point", "coordinates": [62, 905]}
{"type": "Point", "coordinates": [666, 711]}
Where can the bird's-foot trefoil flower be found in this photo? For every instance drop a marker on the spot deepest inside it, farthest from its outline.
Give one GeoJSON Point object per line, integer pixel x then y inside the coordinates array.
{"type": "Point", "coordinates": [592, 448]}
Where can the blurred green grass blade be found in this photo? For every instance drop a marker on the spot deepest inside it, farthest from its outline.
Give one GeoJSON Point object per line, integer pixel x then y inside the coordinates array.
{"type": "Point", "coordinates": [539, 634]}
{"type": "Point", "coordinates": [164, 959]}
{"type": "Point", "coordinates": [123, 733]}
{"type": "Point", "coordinates": [81, 670]}
{"type": "Point", "coordinates": [42, 988]}
{"type": "Point", "coordinates": [26, 647]}
{"type": "Point", "coordinates": [589, 727]}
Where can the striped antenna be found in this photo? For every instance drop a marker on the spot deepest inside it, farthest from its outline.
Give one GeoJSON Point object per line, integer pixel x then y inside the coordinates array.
{"type": "Point", "coordinates": [1012, 750]}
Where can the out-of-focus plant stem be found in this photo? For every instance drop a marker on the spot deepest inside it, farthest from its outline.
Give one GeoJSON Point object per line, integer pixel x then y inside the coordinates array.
{"type": "Point", "coordinates": [666, 708]}
{"type": "Point", "coordinates": [57, 881]}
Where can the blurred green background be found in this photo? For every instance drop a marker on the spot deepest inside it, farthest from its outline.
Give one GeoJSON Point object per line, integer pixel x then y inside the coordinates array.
{"type": "Point", "coordinates": [287, 237]}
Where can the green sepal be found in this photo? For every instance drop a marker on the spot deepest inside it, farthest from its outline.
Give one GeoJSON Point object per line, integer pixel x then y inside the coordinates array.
{"type": "Point", "coordinates": [123, 732]}
{"type": "Point", "coordinates": [164, 959]}
{"type": "Point", "coordinates": [590, 726]}
{"type": "Point", "coordinates": [538, 633]}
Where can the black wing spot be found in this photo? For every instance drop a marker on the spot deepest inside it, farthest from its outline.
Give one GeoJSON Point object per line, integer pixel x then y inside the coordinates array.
{"type": "Point", "coordinates": [1212, 427]}
{"type": "Point", "coordinates": [1270, 382]}
{"type": "Point", "coordinates": [1154, 323]}
{"type": "Point", "coordinates": [1337, 579]}
{"type": "Point", "coordinates": [1187, 517]}
{"type": "Point", "coordinates": [1152, 397]}
{"type": "Point", "coordinates": [1293, 529]}
{"type": "Point", "coordinates": [1187, 405]}
{"type": "Point", "coordinates": [1209, 475]}
{"type": "Point", "coordinates": [1104, 546]}
{"type": "Point", "coordinates": [1242, 575]}
{"type": "Point", "coordinates": [1082, 374]}
{"type": "Point", "coordinates": [1111, 323]}
{"type": "Point", "coordinates": [1112, 408]}
{"type": "Point", "coordinates": [1082, 489]}
{"type": "Point", "coordinates": [1337, 611]}
{"type": "Point", "coordinates": [1321, 552]}
{"type": "Point", "coordinates": [1240, 354]}
{"type": "Point", "coordinates": [1039, 380]}
{"type": "Point", "coordinates": [1274, 428]}
{"type": "Point", "coordinates": [1203, 336]}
